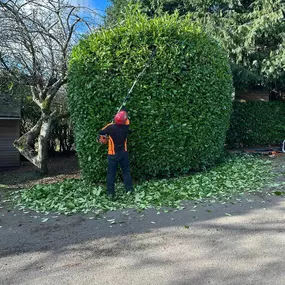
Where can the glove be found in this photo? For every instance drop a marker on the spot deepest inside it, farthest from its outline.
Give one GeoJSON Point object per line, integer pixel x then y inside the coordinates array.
{"type": "Point", "coordinates": [102, 139]}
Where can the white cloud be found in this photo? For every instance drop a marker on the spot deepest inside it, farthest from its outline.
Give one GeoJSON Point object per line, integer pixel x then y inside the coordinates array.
{"type": "Point", "coordinates": [84, 3]}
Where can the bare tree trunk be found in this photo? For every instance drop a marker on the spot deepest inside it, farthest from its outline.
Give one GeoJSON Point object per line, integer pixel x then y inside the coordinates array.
{"type": "Point", "coordinates": [25, 143]}
{"type": "Point", "coordinates": [41, 131]}
{"type": "Point", "coordinates": [43, 144]}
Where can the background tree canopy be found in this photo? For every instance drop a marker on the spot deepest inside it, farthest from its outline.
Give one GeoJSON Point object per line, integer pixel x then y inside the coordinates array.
{"type": "Point", "coordinates": [252, 32]}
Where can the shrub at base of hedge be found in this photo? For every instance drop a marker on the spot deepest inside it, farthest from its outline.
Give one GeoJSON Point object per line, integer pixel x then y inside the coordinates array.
{"type": "Point", "coordinates": [179, 109]}
{"type": "Point", "coordinates": [256, 123]}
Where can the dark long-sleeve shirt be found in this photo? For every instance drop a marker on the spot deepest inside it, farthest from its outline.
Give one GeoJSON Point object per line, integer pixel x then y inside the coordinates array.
{"type": "Point", "coordinates": [117, 136]}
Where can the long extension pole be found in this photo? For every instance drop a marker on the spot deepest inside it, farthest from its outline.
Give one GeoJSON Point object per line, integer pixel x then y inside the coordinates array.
{"type": "Point", "coordinates": [138, 77]}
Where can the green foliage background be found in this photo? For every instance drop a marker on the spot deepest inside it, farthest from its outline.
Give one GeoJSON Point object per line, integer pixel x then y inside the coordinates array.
{"type": "Point", "coordinates": [179, 109]}
{"type": "Point", "coordinates": [257, 123]}
{"type": "Point", "coordinates": [252, 31]}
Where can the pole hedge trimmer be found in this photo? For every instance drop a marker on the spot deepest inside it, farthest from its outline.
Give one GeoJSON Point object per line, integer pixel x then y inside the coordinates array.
{"type": "Point", "coordinates": [137, 78]}
{"type": "Point", "coordinates": [104, 139]}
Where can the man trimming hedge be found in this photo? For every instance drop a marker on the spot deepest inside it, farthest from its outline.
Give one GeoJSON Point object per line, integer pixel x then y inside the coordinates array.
{"type": "Point", "coordinates": [116, 136]}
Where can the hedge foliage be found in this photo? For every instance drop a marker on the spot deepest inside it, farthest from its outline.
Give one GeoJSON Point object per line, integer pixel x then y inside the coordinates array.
{"type": "Point", "coordinates": [179, 109]}
{"type": "Point", "coordinates": [257, 123]}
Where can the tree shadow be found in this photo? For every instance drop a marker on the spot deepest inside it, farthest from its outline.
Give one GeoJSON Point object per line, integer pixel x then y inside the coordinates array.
{"type": "Point", "coordinates": [190, 245]}
{"type": "Point", "coordinates": [205, 243]}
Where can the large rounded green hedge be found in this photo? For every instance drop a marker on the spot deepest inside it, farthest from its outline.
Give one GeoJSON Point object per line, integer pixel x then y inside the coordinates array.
{"type": "Point", "coordinates": [179, 109]}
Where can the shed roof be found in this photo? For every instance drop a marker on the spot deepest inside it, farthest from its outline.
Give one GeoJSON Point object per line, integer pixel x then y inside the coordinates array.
{"type": "Point", "coordinates": [10, 106]}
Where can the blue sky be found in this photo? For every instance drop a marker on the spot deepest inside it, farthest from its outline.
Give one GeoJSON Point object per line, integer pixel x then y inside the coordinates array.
{"type": "Point", "coordinates": [100, 4]}
{"type": "Point", "coordinates": [96, 4]}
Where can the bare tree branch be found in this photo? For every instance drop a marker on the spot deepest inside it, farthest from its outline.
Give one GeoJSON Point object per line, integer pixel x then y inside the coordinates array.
{"type": "Point", "coordinates": [36, 38]}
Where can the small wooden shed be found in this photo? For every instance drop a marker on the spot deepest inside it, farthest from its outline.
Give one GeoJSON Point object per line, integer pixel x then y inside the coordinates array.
{"type": "Point", "coordinates": [10, 120]}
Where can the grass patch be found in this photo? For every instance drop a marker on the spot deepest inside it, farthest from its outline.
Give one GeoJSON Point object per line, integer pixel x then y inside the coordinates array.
{"type": "Point", "coordinates": [238, 174]}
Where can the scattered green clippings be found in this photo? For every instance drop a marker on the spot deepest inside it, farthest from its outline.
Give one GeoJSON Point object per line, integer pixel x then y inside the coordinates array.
{"type": "Point", "coordinates": [238, 174]}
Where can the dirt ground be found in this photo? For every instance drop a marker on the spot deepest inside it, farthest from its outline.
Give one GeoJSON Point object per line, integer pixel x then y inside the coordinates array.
{"type": "Point", "coordinates": [60, 167]}
{"type": "Point", "coordinates": [238, 242]}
